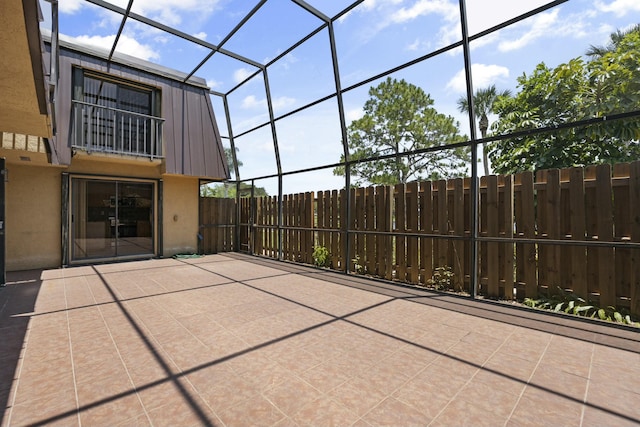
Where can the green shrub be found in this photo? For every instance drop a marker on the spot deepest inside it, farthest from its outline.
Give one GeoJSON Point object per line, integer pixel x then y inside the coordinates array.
{"type": "Point", "coordinates": [442, 278]}
{"type": "Point", "coordinates": [568, 302]}
{"type": "Point", "coordinates": [321, 256]}
{"type": "Point", "coordinates": [358, 267]}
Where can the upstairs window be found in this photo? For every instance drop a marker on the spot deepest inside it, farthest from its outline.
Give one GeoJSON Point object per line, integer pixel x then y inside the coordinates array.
{"type": "Point", "coordinates": [115, 116]}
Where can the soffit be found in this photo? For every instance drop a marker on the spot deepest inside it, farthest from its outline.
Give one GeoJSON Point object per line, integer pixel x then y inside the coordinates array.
{"type": "Point", "coordinates": [22, 90]}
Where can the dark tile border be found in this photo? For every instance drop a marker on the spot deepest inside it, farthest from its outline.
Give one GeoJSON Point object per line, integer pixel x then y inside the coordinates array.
{"type": "Point", "coordinates": [589, 330]}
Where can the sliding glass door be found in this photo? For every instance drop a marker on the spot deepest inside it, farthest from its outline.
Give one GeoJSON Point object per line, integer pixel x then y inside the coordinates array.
{"type": "Point", "coordinates": [111, 219]}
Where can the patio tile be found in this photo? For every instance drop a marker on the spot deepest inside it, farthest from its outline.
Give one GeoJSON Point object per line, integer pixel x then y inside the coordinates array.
{"type": "Point", "coordinates": [119, 411]}
{"type": "Point", "coordinates": [290, 396]}
{"type": "Point", "coordinates": [511, 366]}
{"type": "Point", "coordinates": [324, 412]}
{"type": "Point", "coordinates": [358, 395]}
{"type": "Point", "coordinates": [464, 413]}
{"type": "Point", "coordinates": [427, 398]}
{"type": "Point", "coordinates": [59, 409]}
{"type": "Point", "coordinates": [598, 417]}
{"type": "Point", "coordinates": [257, 411]}
{"type": "Point", "coordinates": [488, 399]}
{"type": "Point", "coordinates": [392, 412]}
{"type": "Point", "coordinates": [325, 376]}
{"type": "Point", "coordinates": [194, 348]}
{"type": "Point", "coordinates": [541, 407]}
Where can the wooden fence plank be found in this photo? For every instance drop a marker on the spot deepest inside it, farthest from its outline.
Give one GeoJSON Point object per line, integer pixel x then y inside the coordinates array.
{"type": "Point", "coordinates": [507, 249]}
{"type": "Point", "coordinates": [388, 239]}
{"type": "Point", "coordinates": [622, 232]}
{"type": "Point", "coordinates": [442, 245]}
{"type": "Point", "coordinates": [578, 232]}
{"type": "Point", "coordinates": [457, 215]}
{"type": "Point", "coordinates": [370, 218]}
{"type": "Point", "coordinates": [336, 222]}
{"type": "Point", "coordinates": [399, 195]}
{"type": "Point", "coordinates": [413, 263]}
{"type": "Point", "coordinates": [634, 229]}
{"type": "Point", "coordinates": [359, 225]}
{"type": "Point", "coordinates": [591, 221]}
{"type": "Point", "coordinates": [493, 249]}
{"type": "Point", "coordinates": [606, 260]}
{"type": "Point", "coordinates": [553, 213]}
{"type": "Point", "coordinates": [526, 228]}
{"type": "Point", "coordinates": [426, 226]}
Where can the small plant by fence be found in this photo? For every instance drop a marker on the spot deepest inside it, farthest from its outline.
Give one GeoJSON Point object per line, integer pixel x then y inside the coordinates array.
{"type": "Point", "coordinates": [534, 230]}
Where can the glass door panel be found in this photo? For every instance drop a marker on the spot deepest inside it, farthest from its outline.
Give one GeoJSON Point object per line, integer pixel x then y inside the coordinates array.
{"type": "Point", "coordinates": [111, 219]}
{"type": "Point", "coordinates": [93, 217]}
{"type": "Point", "coordinates": [135, 218]}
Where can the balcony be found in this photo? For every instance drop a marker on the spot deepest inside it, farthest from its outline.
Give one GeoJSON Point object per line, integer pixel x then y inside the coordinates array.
{"type": "Point", "coordinates": [101, 129]}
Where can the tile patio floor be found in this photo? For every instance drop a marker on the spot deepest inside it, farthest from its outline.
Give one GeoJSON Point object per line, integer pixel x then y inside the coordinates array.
{"type": "Point", "coordinates": [232, 340]}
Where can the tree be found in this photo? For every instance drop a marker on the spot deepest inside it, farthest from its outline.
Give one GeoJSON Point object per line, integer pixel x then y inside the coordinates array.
{"type": "Point", "coordinates": [483, 104]}
{"type": "Point", "coordinates": [614, 41]}
{"type": "Point", "coordinates": [226, 190]}
{"type": "Point", "coordinates": [607, 84]}
{"type": "Point", "coordinates": [399, 120]}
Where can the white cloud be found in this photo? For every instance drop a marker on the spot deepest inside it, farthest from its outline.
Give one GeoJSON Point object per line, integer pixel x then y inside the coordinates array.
{"type": "Point", "coordinates": [483, 14]}
{"type": "Point", "coordinates": [354, 114]}
{"type": "Point", "coordinates": [213, 84]}
{"type": "Point", "coordinates": [251, 102]}
{"type": "Point", "coordinates": [241, 74]}
{"type": "Point", "coordinates": [282, 101]}
{"type": "Point", "coordinates": [539, 26]}
{"type": "Point", "coordinates": [201, 35]}
{"type": "Point", "coordinates": [126, 45]}
{"type": "Point", "coordinates": [70, 6]}
{"type": "Point", "coordinates": [619, 7]}
{"type": "Point", "coordinates": [483, 75]}
{"type": "Point", "coordinates": [448, 10]}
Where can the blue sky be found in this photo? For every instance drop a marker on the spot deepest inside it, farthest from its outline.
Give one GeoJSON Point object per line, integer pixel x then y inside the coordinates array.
{"type": "Point", "coordinates": [375, 36]}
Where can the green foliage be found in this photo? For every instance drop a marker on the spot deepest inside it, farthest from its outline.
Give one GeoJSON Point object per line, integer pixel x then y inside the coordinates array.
{"type": "Point", "coordinates": [229, 190]}
{"type": "Point", "coordinates": [570, 303]}
{"type": "Point", "coordinates": [608, 83]}
{"type": "Point", "coordinates": [399, 117]}
{"type": "Point", "coordinates": [358, 267]}
{"type": "Point", "coordinates": [483, 105]}
{"type": "Point", "coordinates": [321, 256]}
{"type": "Point", "coordinates": [442, 278]}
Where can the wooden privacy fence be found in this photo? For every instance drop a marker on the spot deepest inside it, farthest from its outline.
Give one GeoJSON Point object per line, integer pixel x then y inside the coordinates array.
{"type": "Point", "coordinates": [572, 229]}
{"type": "Point", "coordinates": [217, 225]}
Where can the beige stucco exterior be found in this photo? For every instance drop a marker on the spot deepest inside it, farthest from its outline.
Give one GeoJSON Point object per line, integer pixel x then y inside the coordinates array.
{"type": "Point", "coordinates": [34, 206]}
{"type": "Point", "coordinates": [33, 220]}
{"type": "Point", "coordinates": [180, 210]}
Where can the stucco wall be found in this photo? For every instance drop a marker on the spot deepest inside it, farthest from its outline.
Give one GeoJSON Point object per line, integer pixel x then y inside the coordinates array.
{"type": "Point", "coordinates": [180, 210]}
{"type": "Point", "coordinates": [33, 217]}
{"type": "Point", "coordinates": [33, 223]}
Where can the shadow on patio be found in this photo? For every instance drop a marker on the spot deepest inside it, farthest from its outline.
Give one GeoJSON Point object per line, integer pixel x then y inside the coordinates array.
{"type": "Point", "coordinates": [238, 340]}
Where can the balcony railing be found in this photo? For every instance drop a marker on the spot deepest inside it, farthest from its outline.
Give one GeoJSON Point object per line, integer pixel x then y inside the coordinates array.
{"type": "Point", "coordinates": [96, 128]}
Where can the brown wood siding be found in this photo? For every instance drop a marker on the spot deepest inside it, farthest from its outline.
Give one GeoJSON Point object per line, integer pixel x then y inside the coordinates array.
{"type": "Point", "coordinates": [192, 148]}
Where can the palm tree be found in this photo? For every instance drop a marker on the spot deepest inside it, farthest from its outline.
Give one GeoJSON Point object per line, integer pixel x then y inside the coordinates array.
{"type": "Point", "coordinates": [483, 102]}
{"type": "Point", "coordinates": [614, 41]}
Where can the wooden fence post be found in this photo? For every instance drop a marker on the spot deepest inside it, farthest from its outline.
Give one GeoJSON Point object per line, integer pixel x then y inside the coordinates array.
{"type": "Point", "coordinates": [399, 215]}
{"type": "Point", "coordinates": [634, 209]}
{"type": "Point", "coordinates": [526, 257]}
{"type": "Point", "coordinates": [606, 260]}
{"type": "Point", "coordinates": [507, 249]}
{"type": "Point", "coordinates": [426, 226]}
{"type": "Point", "coordinates": [413, 262]}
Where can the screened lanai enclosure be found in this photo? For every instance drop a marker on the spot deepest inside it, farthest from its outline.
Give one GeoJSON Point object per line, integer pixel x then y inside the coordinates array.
{"type": "Point", "coordinates": [488, 148]}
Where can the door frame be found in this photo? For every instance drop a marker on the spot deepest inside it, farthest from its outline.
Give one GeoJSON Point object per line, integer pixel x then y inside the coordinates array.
{"type": "Point", "coordinates": [67, 213]}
